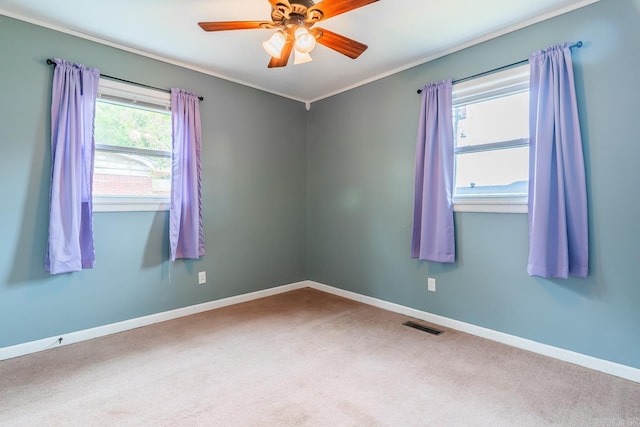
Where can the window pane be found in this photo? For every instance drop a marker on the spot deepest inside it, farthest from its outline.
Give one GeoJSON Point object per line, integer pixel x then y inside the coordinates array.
{"type": "Point", "coordinates": [493, 120]}
{"type": "Point", "coordinates": [496, 172]}
{"type": "Point", "coordinates": [125, 173]}
{"type": "Point", "coordinates": [121, 174]}
{"type": "Point", "coordinates": [126, 126]}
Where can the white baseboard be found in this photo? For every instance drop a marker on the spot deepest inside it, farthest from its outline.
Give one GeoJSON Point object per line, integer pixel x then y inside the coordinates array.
{"type": "Point", "coordinates": [590, 362]}
{"type": "Point", "coordinates": [100, 331]}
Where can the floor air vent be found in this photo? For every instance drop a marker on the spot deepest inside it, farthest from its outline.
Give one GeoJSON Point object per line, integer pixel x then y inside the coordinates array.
{"type": "Point", "coordinates": [422, 328]}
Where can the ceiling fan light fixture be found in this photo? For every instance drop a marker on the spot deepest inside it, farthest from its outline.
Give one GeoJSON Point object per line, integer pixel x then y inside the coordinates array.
{"type": "Point", "coordinates": [292, 22]}
{"type": "Point", "coordinates": [305, 41]}
{"type": "Point", "coordinates": [301, 57]}
{"type": "Point", "coordinates": [274, 45]}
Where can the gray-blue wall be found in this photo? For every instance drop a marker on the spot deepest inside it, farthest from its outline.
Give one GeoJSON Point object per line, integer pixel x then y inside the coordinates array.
{"type": "Point", "coordinates": [360, 197]}
{"type": "Point", "coordinates": [254, 187]}
{"type": "Point", "coordinates": [330, 199]}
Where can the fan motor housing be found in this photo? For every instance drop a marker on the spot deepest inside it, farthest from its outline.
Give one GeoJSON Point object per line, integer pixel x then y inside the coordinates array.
{"type": "Point", "coordinates": [298, 14]}
{"type": "Point", "coordinates": [305, 3]}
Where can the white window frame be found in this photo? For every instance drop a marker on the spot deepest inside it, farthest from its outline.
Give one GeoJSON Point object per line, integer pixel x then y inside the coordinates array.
{"type": "Point", "coordinates": [495, 85]}
{"type": "Point", "coordinates": [156, 100]}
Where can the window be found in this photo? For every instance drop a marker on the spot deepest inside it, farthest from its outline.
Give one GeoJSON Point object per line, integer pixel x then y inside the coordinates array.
{"type": "Point", "coordinates": [491, 142]}
{"type": "Point", "coordinates": [132, 170]}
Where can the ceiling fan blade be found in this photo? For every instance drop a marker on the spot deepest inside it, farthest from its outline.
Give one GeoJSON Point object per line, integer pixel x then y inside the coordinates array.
{"type": "Point", "coordinates": [342, 44]}
{"type": "Point", "coordinates": [234, 25]}
{"type": "Point", "coordinates": [331, 8]}
{"type": "Point", "coordinates": [284, 56]}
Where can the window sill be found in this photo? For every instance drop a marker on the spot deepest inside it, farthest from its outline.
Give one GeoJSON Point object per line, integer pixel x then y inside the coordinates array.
{"type": "Point", "coordinates": [130, 204]}
{"type": "Point", "coordinates": [492, 205]}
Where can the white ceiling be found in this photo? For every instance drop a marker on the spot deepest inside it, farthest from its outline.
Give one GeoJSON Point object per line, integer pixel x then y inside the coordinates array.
{"type": "Point", "coordinates": [400, 34]}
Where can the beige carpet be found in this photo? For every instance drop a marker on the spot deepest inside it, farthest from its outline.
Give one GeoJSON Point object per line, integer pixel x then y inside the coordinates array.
{"type": "Point", "coordinates": [304, 358]}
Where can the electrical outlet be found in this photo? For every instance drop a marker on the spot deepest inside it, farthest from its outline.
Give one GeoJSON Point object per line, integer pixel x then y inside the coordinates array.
{"type": "Point", "coordinates": [202, 278]}
{"type": "Point", "coordinates": [431, 284]}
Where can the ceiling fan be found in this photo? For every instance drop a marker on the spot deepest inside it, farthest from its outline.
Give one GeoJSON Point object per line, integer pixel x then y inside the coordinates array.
{"type": "Point", "coordinates": [294, 20]}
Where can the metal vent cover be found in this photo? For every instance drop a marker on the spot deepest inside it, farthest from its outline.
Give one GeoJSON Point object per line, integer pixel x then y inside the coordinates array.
{"type": "Point", "coordinates": [422, 328]}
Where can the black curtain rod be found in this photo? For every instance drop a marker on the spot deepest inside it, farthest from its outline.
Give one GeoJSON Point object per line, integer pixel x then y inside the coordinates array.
{"type": "Point", "coordinates": [50, 62]}
{"type": "Point", "coordinates": [504, 67]}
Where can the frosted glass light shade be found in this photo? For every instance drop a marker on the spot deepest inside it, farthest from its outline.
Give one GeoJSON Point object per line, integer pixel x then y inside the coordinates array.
{"type": "Point", "coordinates": [305, 42]}
{"type": "Point", "coordinates": [301, 57]}
{"type": "Point", "coordinates": [274, 45]}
